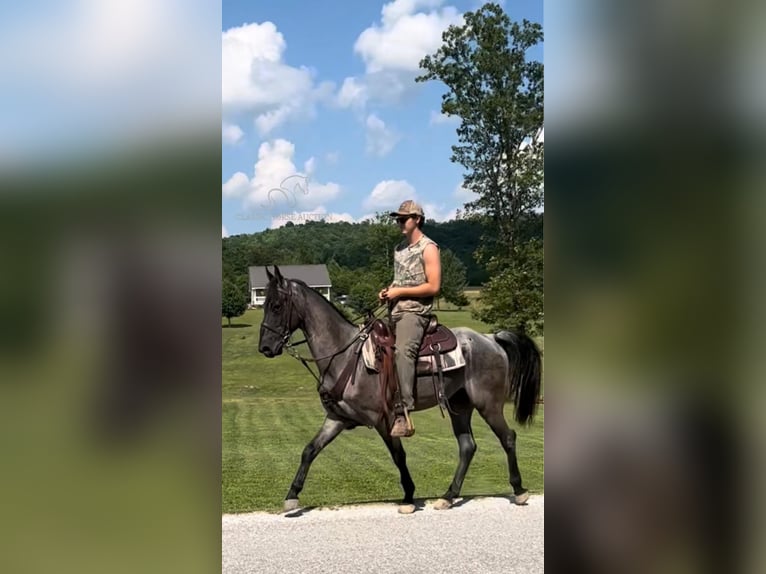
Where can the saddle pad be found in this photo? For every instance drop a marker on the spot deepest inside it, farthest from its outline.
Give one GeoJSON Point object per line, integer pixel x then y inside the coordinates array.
{"type": "Point", "coordinates": [450, 361]}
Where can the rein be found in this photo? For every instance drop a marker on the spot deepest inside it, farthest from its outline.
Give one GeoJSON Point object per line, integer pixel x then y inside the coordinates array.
{"type": "Point", "coordinates": [290, 346]}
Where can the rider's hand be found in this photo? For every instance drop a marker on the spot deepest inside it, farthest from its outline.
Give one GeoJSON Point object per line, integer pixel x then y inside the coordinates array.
{"type": "Point", "coordinates": [383, 295]}
{"type": "Point", "coordinates": [392, 293]}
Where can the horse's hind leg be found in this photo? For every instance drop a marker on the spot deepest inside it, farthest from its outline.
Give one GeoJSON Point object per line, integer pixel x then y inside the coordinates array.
{"type": "Point", "coordinates": [460, 415]}
{"type": "Point", "coordinates": [507, 437]}
{"type": "Point", "coordinates": [400, 459]}
{"type": "Point", "coordinates": [330, 429]}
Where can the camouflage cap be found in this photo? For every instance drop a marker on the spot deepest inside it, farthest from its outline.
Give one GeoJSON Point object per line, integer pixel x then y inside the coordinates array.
{"type": "Point", "coordinates": [409, 207]}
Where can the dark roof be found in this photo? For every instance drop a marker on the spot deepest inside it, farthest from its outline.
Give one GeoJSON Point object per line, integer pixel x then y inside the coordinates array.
{"type": "Point", "coordinates": [312, 275]}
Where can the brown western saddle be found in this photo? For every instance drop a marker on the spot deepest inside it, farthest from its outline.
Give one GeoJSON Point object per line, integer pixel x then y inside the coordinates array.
{"type": "Point", "coordinates": [437, 339]}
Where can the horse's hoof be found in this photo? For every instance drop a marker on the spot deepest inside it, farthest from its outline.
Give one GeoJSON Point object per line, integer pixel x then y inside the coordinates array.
{"type": "Point", "coordinates": [442, 504]}
{"type": "Point", "coordinates": [291, 504]}
{"type": "Point", "coordinates": [521, 498]}
{"type": "Point", "coordinates": [406, 508]}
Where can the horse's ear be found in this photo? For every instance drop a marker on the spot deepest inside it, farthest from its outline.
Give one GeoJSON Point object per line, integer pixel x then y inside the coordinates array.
{"type": "Point", "coordinates": [269, 274]}
{"type": "Point", "coordinates": [278, 275]}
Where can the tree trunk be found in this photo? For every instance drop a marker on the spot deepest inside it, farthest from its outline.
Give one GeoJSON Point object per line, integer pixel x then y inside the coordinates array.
{"type": "Point", "coordinates": [229, 318]}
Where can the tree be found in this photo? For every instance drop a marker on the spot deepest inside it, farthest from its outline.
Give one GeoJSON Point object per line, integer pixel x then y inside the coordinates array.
{"type": "Point", "coordinates": [363, 295]}
{"type": "Point", "coordinates": [498, 96]}
{"type": "Point", "coordinates": [380, 243]}
{"type": "Point", "coordinates": [453, 279]}
{"type": "Point", "coordinates": [233, 300]}
{"type": "Point", "coordinates": [513, 298]}
{"type": "Point", "coordinates": [361, 286]}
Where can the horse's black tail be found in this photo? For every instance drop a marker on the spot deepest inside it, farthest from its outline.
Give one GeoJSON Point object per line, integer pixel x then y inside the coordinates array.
{"type": "Point", "coordinates": [525, 367]}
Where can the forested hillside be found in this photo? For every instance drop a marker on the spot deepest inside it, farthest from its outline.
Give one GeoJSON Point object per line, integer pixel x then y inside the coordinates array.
{"type": "Point", "coordinates": [352, 246]}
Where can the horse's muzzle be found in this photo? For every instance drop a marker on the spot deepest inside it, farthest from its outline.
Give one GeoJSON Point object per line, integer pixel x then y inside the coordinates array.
{"type": "Point", "coordinates": [270, 353]}
{"type": "Point", "coordinates": [266, 352]}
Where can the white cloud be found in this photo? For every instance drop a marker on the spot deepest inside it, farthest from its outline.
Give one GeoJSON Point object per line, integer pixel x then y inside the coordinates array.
{"type": "Point", "coordinates": [236, 186]}
{"type": "Point", "coordinates": [392, 48]}
{"type": "Point", "coordinates": [438, 212]}
{"type": "Point", "coordinates": [266, 122]}
{"type": "Point", "coordinates": [440, 118]}
{"type": "Point", "coordinates": [353, 93]}
{"type": "Point", "coordinates": [332, 157]}
{"type": "Point", "coordinates": [368, 216]}
{"type": "Point", "coordinates": [231, 134]}
{"type": "Point", "coordinates": [380, 139]}
{"type": "Point", "coordinates": [405, 35]}
{"type": "Point", "coordinates": [320, 192]}
{"type": "Point", "coordinates": [310, 166]}
{"type": "Point", "coordinates": [319, 213]}
{"type": "Point", "coordinates": [276, 184]}
{"type": "Point", "coordinates": [389, 194]}
{"type": "Point", "coordinates": [224, 232]}
{"type": "Point", "coordinates": [393, 11]}
{"type": "Point", "coordinates": [385, 87]}
{"type": "Point", "coordinates": [337, 217]}
{"type": "Point", "coordinates": [463, 195]}
{"type": "Point", "coordinates": [254, 77]}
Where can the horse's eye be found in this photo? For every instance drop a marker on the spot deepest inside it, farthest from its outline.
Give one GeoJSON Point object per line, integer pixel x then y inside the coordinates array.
{"type": "Point", "coordinates": [277, 307]}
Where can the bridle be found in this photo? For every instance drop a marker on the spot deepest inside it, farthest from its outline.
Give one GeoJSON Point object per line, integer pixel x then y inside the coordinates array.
{"type": "Point", "coordinates": [284, 336]}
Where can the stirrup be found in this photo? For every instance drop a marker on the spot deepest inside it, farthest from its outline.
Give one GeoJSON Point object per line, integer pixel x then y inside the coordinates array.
{"type": "Point", "coordinates": [410, 424]}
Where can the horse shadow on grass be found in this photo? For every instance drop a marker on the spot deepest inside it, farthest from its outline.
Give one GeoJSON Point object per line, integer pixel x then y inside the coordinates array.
{"type": "Point", "coordinates": [237, 326]}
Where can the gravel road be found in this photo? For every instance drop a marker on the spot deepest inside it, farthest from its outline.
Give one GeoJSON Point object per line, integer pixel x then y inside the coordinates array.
{"type": "Point", "coordinates": [481, 535]}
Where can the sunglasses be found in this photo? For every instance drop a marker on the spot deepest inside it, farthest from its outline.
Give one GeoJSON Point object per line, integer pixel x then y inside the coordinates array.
{"type": "Point", "coordinates": [403, 219]}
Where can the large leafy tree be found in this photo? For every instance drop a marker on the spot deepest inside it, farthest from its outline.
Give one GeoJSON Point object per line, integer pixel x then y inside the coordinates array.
{"type": "Point", "coordinates": [498, 95]}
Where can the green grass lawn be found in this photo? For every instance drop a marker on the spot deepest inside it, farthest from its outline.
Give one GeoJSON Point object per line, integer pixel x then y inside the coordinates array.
{"type": "Point", "coordinates": [271, 410]}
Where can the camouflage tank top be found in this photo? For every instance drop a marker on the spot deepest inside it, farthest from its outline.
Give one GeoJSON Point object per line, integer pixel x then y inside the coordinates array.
{"type": "Point", "coordinates": [410, 271]}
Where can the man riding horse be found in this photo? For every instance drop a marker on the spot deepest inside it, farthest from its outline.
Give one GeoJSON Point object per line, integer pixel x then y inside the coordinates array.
{"type": "Point", "coordinates": [417, 280]}
{"type": "Point", "coordinates": [496, 367]}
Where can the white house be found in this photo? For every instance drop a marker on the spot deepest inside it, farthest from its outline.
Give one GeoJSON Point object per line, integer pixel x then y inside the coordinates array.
{"type": "Point", "coordinates": [315, 276]}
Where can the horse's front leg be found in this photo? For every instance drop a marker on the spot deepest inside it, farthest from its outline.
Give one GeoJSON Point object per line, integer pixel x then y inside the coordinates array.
{"type": "Point", "coordinates": [400, 459]}
{"type": "Point", "coordinates": [330, 429]}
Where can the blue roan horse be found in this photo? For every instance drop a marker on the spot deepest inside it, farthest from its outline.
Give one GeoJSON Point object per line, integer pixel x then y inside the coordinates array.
{"type": "Point", "coordinates": [497, 367]}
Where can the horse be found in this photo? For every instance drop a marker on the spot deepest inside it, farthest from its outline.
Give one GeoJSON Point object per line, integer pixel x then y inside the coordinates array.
{"type": "Point", "coordinates": [506, 364]}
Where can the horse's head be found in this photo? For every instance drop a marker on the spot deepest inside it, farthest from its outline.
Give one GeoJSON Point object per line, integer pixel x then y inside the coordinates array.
{"type": "Point", "coordinates": [280, 318]}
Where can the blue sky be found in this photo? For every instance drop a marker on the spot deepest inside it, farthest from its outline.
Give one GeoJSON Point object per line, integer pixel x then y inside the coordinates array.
{"type": "Point", "coordinates": [322, 118]}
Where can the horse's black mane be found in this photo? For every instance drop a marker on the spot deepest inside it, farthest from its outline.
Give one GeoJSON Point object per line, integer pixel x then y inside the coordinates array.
{"type": "Point", "coordinates": [312, 290]}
